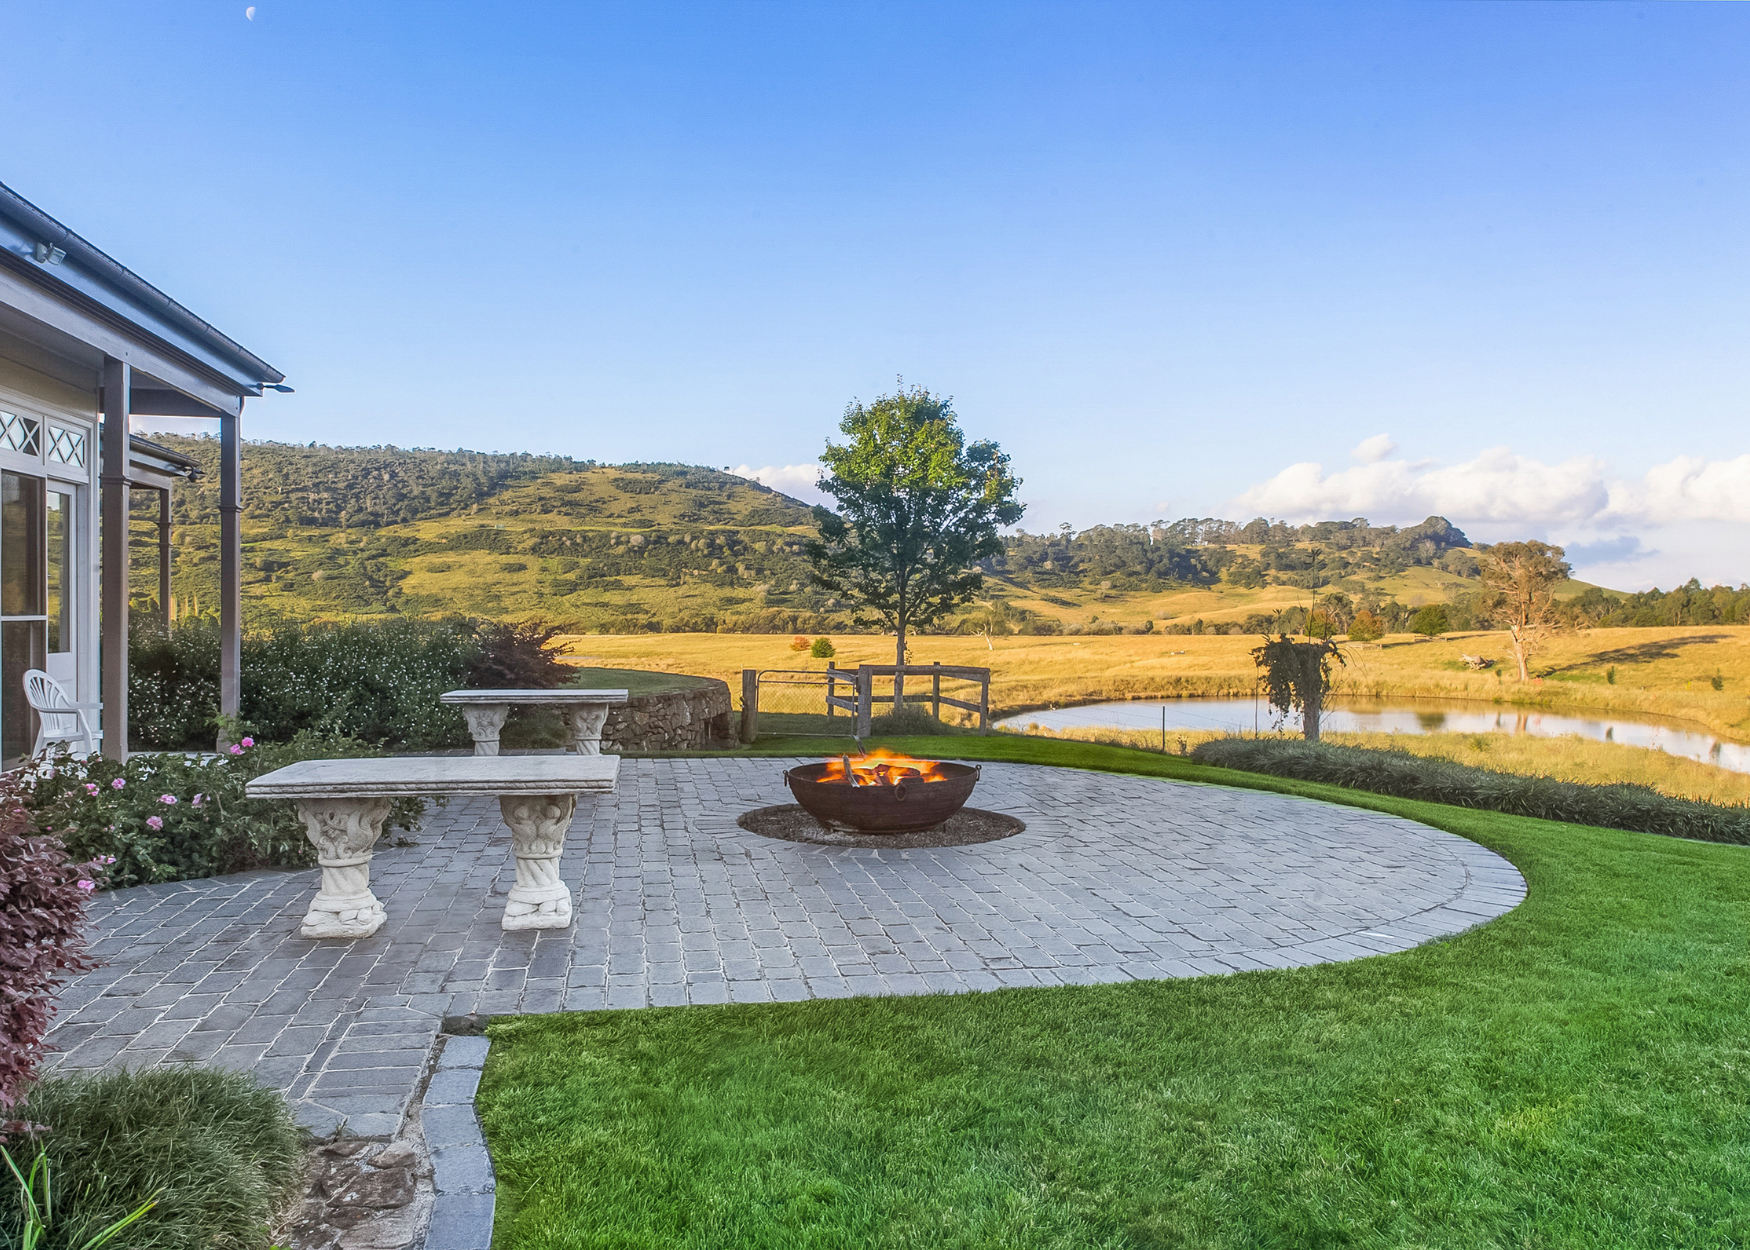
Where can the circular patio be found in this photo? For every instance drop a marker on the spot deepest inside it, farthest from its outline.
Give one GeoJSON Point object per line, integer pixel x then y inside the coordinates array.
{"type": "Point", "coordinates": [1114, 878]}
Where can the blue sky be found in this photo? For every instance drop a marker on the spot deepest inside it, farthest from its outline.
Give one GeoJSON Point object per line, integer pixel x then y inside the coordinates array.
{"type": "Point", "coordinates": [1321, 260]}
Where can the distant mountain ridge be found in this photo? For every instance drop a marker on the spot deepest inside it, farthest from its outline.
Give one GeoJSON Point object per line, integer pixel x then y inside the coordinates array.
{"type": "Point", "coordinates": [361, 531]}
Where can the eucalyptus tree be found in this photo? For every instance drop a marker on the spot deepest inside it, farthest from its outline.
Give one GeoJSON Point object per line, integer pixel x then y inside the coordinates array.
{"type": "Point", "coordinates": [1521, 579]}
{"type": "Point", "coordinates": [918, 507]}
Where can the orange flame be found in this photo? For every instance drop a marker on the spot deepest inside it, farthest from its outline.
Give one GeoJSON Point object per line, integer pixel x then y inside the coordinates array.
{"type": "Point", "coordinates": [880, 767]}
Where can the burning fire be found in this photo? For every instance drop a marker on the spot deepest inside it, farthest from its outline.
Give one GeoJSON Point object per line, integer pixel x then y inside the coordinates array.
{"type": "Point", "coordinates": [880, 768]}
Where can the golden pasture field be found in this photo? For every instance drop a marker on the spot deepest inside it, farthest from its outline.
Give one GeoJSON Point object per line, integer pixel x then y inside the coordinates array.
{"type": "Point", "coordinates": [1667, 672]}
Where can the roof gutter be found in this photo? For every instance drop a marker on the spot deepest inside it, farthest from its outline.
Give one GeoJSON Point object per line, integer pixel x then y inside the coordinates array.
{"type": "Point", "coordinates": [129, 283]}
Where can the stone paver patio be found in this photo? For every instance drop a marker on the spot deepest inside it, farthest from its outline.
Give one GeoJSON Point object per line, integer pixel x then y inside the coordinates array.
{"type": "Point", "coordinates": [1116, 878]}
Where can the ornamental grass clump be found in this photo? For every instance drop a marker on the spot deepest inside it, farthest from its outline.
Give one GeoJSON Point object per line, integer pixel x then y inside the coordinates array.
{"type": "Point", "coordinates": [910, 720]}
{"type": "Point", "coordinates": [219, 1153]}
{"type": "Point", "coordinates": [1621, 806]}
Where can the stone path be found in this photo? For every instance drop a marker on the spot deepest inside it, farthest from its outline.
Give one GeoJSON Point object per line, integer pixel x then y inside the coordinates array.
{"type": "Point", "coordinates": [1115, 878]}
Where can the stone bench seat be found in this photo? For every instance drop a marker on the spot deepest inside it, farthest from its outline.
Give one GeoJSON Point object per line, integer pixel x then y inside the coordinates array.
{"type": "Point", "coordinates": [343, 804]}
{"type": "Point", "coordinates": [584, 712]}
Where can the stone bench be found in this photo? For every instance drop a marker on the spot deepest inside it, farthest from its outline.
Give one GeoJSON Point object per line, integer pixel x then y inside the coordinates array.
{"type": "Point", "coordinates": [343, 804]}
{"type": "Point", "coordinates": [584, 712]}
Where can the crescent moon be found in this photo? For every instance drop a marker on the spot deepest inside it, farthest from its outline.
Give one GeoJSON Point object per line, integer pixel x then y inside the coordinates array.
{"type": "Point", "coordinates": [249, 13]}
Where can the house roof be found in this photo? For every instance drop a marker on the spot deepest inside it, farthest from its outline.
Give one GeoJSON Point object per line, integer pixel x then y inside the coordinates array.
{"type": "Point", "coordinates": [38, 246]}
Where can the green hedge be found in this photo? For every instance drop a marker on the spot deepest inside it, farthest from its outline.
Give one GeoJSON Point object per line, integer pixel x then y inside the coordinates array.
{"type": "Point", "coordinates": [220, 1152]}
{"type": "Point", "coordinates": [1399, 773]}
{"type": "Point", "coordinates": [375, 681]}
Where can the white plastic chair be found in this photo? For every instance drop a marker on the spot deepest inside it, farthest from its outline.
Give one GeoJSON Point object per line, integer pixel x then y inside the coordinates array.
{"type": "Point", "coordinates": [62, 719]}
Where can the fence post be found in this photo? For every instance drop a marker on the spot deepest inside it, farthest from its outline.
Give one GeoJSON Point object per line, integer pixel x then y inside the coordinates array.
{"type": "Point", "coordinates": [831, 687]}
{"type": "Point", "coordinates": [864, 681]}
{"type": "Point", "coordinates": [984, 704]}
{"type": "Point", "coordinates": [936, 691]}
{"type": "Point", "coordinates": [750, 704]}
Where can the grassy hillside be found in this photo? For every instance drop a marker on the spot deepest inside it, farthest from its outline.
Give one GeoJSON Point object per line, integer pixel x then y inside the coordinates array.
{"type": "Point", "coordinates": [369, 531]}
{"type": "Point", "coordinates": [634, 548]}
{"type": "Point", "coordinates": [628, 548]}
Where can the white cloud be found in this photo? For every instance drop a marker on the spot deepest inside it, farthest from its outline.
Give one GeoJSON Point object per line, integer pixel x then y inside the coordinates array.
{"type": "Point", "coordinates": [1691, 508]}
{"type": "Point", "coordinates": [1372, 450]}
{"type": "Point", "coordinates": [796, 480]}
{"type": "Point", "coordinates": [1499, 485]}
{"type": "Point", "coordinates": [1687, 489]}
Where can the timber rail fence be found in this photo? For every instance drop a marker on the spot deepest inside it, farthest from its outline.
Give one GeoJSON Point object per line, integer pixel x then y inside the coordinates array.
{"type": "Point", "coordinates": [790, 696]}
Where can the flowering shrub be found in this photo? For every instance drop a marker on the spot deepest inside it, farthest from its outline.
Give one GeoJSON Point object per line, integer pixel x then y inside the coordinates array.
{"type": "Point", "coordinates": [42, 913]}
{"type": "Point", "coordinates": [175, 817]}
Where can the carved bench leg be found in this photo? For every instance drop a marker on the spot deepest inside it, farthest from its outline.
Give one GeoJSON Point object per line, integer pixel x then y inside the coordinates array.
{"type": "Point", "coordinates": [343, 832]}
{"type": "Point", "coordinates": [583, 727]}
{"type": "Point", "coordinates": [539, 899]}
{"type": "Point", "coordinates": [484, 722]}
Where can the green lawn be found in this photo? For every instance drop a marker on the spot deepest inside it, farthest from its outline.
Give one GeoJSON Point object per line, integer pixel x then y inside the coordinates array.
{"type": "Point", "coordinates": [634, 681]}
{"type": "Point", "coordinates": [1576, 1073]}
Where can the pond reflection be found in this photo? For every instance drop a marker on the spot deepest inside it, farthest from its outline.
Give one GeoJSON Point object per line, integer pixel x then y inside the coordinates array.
{"type": "Point", "coordinates": [1408, 716]}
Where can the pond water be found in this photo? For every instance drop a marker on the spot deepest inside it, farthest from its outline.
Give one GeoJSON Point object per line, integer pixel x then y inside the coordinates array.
{"type": "Point", "coordinates": [1418, 716]}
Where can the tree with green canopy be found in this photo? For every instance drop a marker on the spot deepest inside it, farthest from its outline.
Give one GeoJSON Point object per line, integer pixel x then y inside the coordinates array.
{"type": "Point", "coordinates": [1430, 621]}
{"type": "Point", "coordinates": [917, 508]}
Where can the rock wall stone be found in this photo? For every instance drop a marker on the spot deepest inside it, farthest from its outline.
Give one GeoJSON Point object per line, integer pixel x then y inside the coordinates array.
{"type": "Point", "coordinates": [678, 720]}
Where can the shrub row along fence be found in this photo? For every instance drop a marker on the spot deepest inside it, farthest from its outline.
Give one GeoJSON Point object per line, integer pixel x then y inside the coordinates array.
{"type": "Point", "coordinates": [838, 701]}
{"type": "Point", "coordinates": [1403, 775]}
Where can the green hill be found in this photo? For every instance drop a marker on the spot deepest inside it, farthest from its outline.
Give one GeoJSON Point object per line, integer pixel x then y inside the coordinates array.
{"type": "Point", "coordinates": [371, 530]}
{"type": "Point", "coordinates": [367, 531]}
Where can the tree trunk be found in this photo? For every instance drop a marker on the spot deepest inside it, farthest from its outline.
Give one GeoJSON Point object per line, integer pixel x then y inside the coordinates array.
{"type": "Point", "coordinates": [1309, 715]}
{"type": "Point", "coordinates": [899, 671]}
{"type": "Point", "coordinates": [1519, 656]}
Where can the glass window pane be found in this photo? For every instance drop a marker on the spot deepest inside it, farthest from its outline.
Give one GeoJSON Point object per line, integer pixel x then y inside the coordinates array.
{"type": "Point", "coordinates": [21, 648]}
{"type": "Point", "coordinates": [21, 545]}
{"type": "Point", "coordinates": [60, 579]}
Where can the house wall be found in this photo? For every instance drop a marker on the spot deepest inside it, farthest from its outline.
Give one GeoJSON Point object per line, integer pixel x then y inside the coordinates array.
{"type": "Point", "coordinates": [56, 403]}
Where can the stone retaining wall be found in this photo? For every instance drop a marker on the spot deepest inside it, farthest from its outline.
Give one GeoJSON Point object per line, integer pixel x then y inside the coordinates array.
{"type": "Point", "coordinates": [677, 720]}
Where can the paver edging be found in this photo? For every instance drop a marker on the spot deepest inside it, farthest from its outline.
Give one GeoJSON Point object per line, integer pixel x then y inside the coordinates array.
{"type": "Point", "coordinates": [461, 1214]}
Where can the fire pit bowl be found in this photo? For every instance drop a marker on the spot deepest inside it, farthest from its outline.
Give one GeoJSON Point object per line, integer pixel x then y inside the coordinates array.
{"type": "Point", "coordinates": [902, 798]}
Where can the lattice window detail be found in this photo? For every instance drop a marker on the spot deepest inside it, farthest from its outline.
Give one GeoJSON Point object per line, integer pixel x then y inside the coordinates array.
{"type": "Point", "coordinates": [66, 446]}
{"type": "Point", "coordinates": [20, 434]}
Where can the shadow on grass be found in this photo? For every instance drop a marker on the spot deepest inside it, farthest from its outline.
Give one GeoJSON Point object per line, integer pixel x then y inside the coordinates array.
{"type": "Point", "coordinates": [1641, 652]}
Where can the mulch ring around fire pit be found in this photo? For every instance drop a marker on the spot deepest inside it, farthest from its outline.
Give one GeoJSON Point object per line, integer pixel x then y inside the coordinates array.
{"type": "Point", "coordinates": [792, 823]}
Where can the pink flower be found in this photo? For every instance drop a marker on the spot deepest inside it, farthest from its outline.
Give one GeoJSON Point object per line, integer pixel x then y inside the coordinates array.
{"type": "Point", "coordinates": [199, 799]}
{"type": "Point", "coordinates": [249, 742]}
{"type": "Point", "coordinates": [91, 788]}
{"type": "Point", "coordinates": [106, 859]}
{"type": "Point", "coordinates": [155, 822]}
{"type": "Point", "coordinates": [118, 783]}
{"type": "Point", "coordinates": [169, 800]}
{"type": "Point", "coordinates": [87, 886]}
{"type": "Point", "coordinates": [236, 750]}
